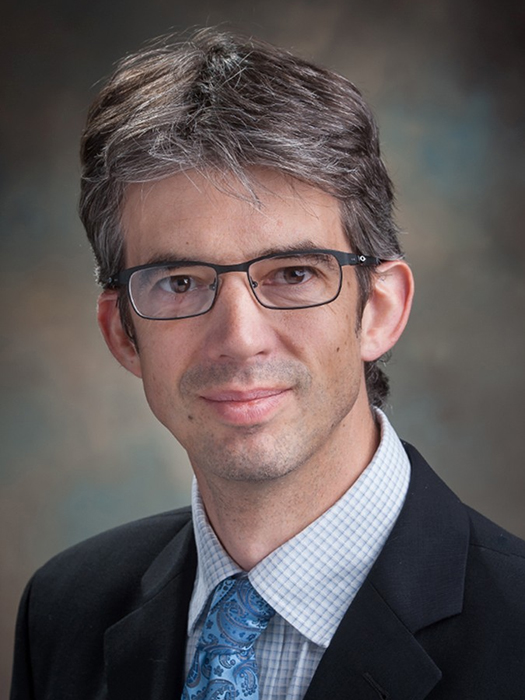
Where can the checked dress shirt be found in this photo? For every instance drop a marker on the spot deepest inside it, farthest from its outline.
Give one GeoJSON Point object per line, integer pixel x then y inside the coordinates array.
{"type": "Point", "coordinates": [312, 579]}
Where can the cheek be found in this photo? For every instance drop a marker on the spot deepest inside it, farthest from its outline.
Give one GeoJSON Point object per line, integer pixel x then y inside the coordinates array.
{"type": "Point", "coordinates": [161, 381]}
{"type": "Point", "coordinates": [159, 390]}
{"type": "Point", "coordinates": [345, 355]}
{"type": "Point", "coordinates": [162, 364]}
{"type": "Point", "coordinates": [328, 342]}
{"type": "Point", "coordinates": [345, 366]}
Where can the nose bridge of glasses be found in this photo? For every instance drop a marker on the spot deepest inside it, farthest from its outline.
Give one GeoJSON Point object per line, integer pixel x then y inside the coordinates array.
{"type": "Point", "coordinates": [233, 292]}
{"type": "Point", "coordinates": [238, 267]}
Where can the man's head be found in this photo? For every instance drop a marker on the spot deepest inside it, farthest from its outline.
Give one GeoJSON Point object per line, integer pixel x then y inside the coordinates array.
{"type": "Point", "coordinates": [253, 393]}
{"type": "Point", "coordinates": [224, 105]}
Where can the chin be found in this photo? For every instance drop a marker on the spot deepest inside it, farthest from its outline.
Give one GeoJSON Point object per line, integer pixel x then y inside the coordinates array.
{"type": "Point", "coordinates": [265, 461]}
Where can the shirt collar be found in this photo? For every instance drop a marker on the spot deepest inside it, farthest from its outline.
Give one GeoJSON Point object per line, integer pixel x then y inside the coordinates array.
{"type": "Point", "coordinates": [312, 578]}
{"type": "Point", "coordinates": [214, 563]}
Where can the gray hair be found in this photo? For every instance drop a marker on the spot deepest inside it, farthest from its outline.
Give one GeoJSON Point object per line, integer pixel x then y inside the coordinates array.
{"type": "Point", "coordinates": [223, 104]}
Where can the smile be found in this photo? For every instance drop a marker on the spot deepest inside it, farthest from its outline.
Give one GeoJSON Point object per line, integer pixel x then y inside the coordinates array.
{"type": "Point", "coordinates": [245, 407]}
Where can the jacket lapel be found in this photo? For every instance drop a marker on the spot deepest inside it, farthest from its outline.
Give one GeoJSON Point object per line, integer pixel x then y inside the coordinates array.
{"type": "Point", "coordinates": [373, 655]}
{"type": "Point", "coordinates": [144, 652]}
{"type": "Point", "coordinates": [417, 580]}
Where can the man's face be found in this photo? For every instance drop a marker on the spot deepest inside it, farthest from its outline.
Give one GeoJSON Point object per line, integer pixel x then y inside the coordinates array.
{"type": "Point", "coordinates": [251, 393]}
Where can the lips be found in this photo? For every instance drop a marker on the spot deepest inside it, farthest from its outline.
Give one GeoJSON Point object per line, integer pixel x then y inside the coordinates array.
{"type": "Point", "coordinates": [240, 395]}
{"type": "Point", "coordinates": [247, 406]}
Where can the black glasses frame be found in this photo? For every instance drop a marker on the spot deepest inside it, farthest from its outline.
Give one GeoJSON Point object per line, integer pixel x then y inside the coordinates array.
{"type": "Point", "coordinates": [352, 259]}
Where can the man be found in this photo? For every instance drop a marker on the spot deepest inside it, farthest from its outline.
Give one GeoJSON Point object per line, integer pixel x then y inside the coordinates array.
{"type": "Point", "coordinates": [241, 218]}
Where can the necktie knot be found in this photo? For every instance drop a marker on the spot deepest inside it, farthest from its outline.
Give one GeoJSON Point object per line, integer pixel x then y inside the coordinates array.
{"type": "Point", "coordinates": [224, 660]}
{"type": "Point", "coordinates": [236, 618]}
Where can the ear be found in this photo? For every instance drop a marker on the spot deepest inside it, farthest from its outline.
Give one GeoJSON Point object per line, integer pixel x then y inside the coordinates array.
{"type": "Point", "coordinates": [117, 340]}
{"type": "Point", "coordinates": [387, 309]}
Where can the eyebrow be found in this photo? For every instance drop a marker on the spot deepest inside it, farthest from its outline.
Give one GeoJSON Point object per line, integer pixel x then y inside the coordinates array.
{"type": "Point", "coordinates": [170, 259]}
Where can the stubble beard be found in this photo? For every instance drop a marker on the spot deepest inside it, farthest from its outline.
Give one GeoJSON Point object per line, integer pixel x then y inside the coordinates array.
{"type": "Point", "coordinates": [263, 452]}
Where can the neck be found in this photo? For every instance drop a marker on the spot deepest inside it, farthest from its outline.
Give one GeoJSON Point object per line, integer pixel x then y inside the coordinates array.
{"type": "Point", "coordinates": [253, 518]}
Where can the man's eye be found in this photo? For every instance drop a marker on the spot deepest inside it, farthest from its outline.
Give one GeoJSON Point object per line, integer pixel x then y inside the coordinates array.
{"type": "Point", "coordinates": [179, 284]}
{"type": "Point", "coordinates": [292, 275]}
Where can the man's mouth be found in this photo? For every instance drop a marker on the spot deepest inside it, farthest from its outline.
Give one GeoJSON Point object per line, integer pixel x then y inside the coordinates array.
{"type": "Point", "coordinates": [245, 406]}
{"type": "Point", "coordinates": [241, 395]}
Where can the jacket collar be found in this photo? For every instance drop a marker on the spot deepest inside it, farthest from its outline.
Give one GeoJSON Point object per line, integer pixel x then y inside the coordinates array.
{"type": "Point", "coordinates": [417, 580]}
{"type": "Point", "coordinates": [144, 651]}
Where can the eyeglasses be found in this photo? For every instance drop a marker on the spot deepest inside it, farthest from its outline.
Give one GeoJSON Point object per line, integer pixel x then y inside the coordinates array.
{"type": "Point", "coordinates": [298, 280]}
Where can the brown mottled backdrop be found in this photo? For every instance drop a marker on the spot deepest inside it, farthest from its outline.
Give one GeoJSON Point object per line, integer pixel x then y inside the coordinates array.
{"type": "Point", "coordinates": [81, 451]}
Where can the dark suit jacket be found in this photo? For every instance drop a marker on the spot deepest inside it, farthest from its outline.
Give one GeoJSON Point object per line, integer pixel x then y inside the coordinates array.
{"type": "Point", "coordinates": [441, 614]}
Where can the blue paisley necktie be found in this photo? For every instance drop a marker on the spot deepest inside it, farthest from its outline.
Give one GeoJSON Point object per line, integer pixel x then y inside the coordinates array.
{"type": "Point", "coordinates": [224, 666]}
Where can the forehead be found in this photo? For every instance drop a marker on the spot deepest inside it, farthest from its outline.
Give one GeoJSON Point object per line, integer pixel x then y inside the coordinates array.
{"type": "Point", "coordinates": [189, 215]}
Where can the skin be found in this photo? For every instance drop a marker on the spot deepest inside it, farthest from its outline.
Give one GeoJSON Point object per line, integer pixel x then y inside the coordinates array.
{"type": "Point", "coordinates": [271, 406]}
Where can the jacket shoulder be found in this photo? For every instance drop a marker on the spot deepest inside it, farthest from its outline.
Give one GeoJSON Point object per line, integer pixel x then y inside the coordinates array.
{"type": "Point", "coordinates": [112, 563]}
{"type": "Point", "coordinates": [129, 542]}
{"type": "Point", "coordinates": [72, 601]}
{"type": "Point", "coordinates": [491, 538]}
{"type": "Point", "coordinates": [496, 570]}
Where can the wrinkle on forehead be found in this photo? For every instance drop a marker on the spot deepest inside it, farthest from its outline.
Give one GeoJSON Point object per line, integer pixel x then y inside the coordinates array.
{"type": "Point", "coordinates": [253, 190]}
{"type": "Point", "coordinates": [181, 215]}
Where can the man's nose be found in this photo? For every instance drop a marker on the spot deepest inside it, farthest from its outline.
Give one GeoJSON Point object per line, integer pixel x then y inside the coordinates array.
{"type": "Point", "coordinates": [239, 327]}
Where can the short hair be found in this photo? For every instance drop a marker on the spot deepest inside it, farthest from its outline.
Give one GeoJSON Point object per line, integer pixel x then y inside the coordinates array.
{"type": "Point", "coordinates": [223, 103]}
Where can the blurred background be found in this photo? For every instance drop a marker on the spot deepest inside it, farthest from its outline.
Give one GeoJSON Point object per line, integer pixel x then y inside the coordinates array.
{"type": "Point", "coordinates": [80, 450]}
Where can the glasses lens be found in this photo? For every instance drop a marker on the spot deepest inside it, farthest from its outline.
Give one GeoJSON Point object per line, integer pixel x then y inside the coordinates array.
{"type": "Point", "coordinates": [295, 281]}
{"type": "Point", "coordinates": [168, 292]}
